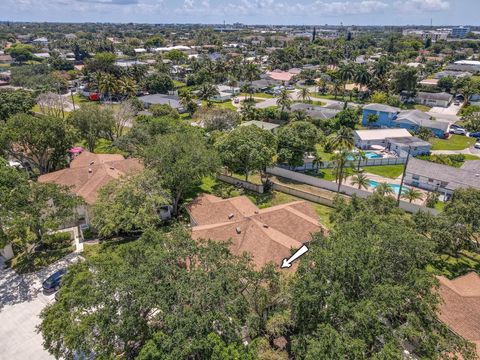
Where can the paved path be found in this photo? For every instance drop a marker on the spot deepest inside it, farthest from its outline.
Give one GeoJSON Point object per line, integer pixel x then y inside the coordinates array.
{"type": "Point", "coordinates": [21, 301]}
{"type": "Point", "coordinates": [468, 151]}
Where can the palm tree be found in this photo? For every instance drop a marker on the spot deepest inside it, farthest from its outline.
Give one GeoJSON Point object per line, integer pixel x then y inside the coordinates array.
{"type": "Point", "coordinates": [206, 92]}
{"type": "Point", "coordinates": [186, 100]}
{"type": "Point", "coordinates": [232, 82]}
{"type": "Point", "coordinates": [127, 87]}
{"type": "Point", "coordinates": [361, 180]}
{"type": "Point", "coordinates": [411, 194]}
{"type": "Point", "coordinates": [337, 87]}
{"type": "Point", "coordinates": [362, 76]}
{"type": "Point", "coordinates": [342, 140]}
{"type": "Point", "coordinates": [251, 73]}
{"type": "Point", "coordinates": [317, 161]}
{"type": "Point", "coordinates": [346, 73]}
{"type": "Point", "coordinates": [384, 189]}
{"type": "Point", "coordinates": [340, 159]}
{"type": "Point", "coordinates": [284, 100]}
{"type": "Point", "coordinates": [361, 155]}
{"type": "Point", "coordinates": [108, 85]}
{"type": "Point", "coordinates": [305, 95]}
{"type": "Point", "coordinates": [248, 111]}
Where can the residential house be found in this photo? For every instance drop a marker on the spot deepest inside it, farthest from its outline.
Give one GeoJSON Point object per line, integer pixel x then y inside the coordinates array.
{"type": "Point", "coordinates": [315, 112]}
{"type": "Point", "coordinates": [279, 75]}
{"type": "Point", "coordinates": [412, 145]}
{"type": "Point", "coordinates": [262, 85]}
{"type": "Point", "coordinates": [442, 99]}
{"type": "Point", "coordinates": [40, 41]}
{"type": "Point", "coordinates": [262, 125]}
{"type": "Point", "coordinates": [460, 306]}
{"type": "Point", "coordinates": [162, 99]}
{"type": "Point", "coordinates": [88, 173]}
{"type": "Point", "coordinates": [365, 139]}
{"type": "Point", "coordinates": [5, 59]}
{"type": "Point", "coordinates": [269, 235]}
{"type": "Point", "coordinates": [392, 117]}
{"type": "Point", "coordinates": [225, 92]}
{"type": "Point", "coordinates": [441, 178]}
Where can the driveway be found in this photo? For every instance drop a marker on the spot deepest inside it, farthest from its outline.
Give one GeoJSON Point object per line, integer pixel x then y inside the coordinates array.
{"type": "Point", "coordinates": [449, 114]}
{"type": "Point", "coordinates": [21, 301]}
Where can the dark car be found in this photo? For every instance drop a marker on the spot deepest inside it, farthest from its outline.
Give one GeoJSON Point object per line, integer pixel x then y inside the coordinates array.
{"type": "Point", "coordinates": [53, 281]}
{"type": "Point", "coordinates": [475, 134]}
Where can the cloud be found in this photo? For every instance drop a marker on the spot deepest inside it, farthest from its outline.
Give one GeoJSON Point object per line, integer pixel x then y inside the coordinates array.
{"type": "Point", "coordinates": [338, 8]}
{"type": "Point", "coordinates": [422, 5]}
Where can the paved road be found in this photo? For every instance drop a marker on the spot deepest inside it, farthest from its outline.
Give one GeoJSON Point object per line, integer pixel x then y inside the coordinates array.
{"type": "Point", "coordinates": [21, 301]}
{"type": "Point", "coordinates": [449, 114]}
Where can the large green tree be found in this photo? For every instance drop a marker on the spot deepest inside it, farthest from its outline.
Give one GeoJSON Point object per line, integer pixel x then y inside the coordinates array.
{"type": "Point", "coordinates": [364, 291]}
{"type": "Point", "coordinates": [15, 101]}
{"type": "Point", "coordinates": [39, 142]}
{"type": "Point", "coordinates": [296, 139]}
{"type": "Point", "coordinates": [93, 122]}
{"type": "Point", "coordinates": [247, 149]}
{"type": "Point", "coordinates": [163, 296]}
{"type": "Point", "coordinates": [180, 160]}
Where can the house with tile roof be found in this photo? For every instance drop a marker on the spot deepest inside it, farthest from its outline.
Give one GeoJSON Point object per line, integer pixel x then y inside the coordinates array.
{"type": "Point", "coordinates": [89, 172]}
{"type": "Point", "coordinates": [460, 306]}
{"type": "Point", "coordinates": [268, 235]}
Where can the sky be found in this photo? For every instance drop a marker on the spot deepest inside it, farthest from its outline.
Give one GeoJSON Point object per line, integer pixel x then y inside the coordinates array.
{"type": "Point", "coordinates": [294, 12]}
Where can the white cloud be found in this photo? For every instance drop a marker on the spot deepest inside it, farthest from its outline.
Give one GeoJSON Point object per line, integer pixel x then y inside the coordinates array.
{"type": "Point", "coordinates": [422, 5]}
{"type": "Point", "coordinates": [338, 8]}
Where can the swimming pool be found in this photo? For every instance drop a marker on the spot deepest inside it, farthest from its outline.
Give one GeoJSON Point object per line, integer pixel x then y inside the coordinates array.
{"type": "Point", "coordinates": [395, 187]}
{"type": "Point", "coordinates": [368, 155]}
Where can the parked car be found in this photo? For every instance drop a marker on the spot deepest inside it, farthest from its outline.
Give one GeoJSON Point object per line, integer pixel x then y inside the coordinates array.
{"type": "Point", "coordinates": [456, 103]}
{"type": "Point", "coordinates": [477, 145]}
{"type": "Point", "coordinates": [475, 134]}
{"type": "Point", "coordinates": [52, 283]}
{"type": "Point", "coordinates": [458, 131]}
{"type": "Point", "coordinates": [454, 126]}
{"type": "Point", "coordinates": [236, 100]}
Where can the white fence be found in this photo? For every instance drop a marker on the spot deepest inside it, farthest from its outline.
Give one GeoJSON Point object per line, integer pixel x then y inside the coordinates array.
{"type": "Point", "coordinates": [310, 165]}
{"type": "Point", "coordinates": [344, 189]}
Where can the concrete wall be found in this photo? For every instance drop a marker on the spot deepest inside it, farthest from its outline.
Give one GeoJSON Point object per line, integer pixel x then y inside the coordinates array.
{"type": "Point", "coordinates": [241, 183]}
{"type": "Point", "coordinates": [302, 194]}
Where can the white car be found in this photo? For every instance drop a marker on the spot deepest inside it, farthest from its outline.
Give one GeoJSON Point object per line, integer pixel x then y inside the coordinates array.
{"type": "Point", "coordinates": [477, 145]}
{"type": "Point", "coordinates": [458, 131]}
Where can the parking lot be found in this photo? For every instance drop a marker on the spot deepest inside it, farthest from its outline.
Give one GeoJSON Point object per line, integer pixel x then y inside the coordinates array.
{"type": "Point", "coordinates": [21, 301]}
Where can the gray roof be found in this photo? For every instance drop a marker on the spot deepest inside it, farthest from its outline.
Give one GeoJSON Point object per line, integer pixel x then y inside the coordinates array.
{"type": "Point", "coordinates": [261, 124]}
{"type": "Point", "coordinates": [316, 112]}
{"type": "Point", "coordinates": [435, 96]}
{"type": "Point", "coordinates": [454, 177]}
{"type": "Point", "coordinates": [409, 141]}
{"type": "Point", "coordinates": [421, 119]}
{"type": "Point", "coordinates": [382, 108]}
{"type": "Point", "coordinates": [472, 166]}
{"type": "Point", "coordinates": [172, 100]}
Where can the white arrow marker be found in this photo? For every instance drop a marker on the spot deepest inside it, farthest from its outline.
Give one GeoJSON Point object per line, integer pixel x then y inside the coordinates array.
{"type": "Point", "coordinates": [288, 262]}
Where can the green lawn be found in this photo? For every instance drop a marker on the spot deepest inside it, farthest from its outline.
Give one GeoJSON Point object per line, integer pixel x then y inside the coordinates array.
{"type": "Point", "coordinates": [389, 171]}
{"type": "Point", "coordinates": [422, 108]}
{"type": "Point", "coordinates": [324, 155]}
{"type": "Point", "coordinates": [312, 102]}
{"type": "Point", "coordinates": [455, 142]}
{"type": "Point", "coordinates": [451, 266]}
{"type": "Point", "coordinates": [323, 213]}
{"type": "Point", "coordinates": [325, 174]}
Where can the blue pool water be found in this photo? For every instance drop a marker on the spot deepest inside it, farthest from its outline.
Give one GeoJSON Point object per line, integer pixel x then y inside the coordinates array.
{"type": "Point", "coordinates": [368, 155]}
{"type": "Point", "coordinates": [395, 187]}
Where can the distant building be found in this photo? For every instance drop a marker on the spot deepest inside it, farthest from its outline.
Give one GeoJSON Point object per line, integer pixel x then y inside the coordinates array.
{"type": "Point", "coordinates": [40, 41]}
{"type": "Point", "coordinates": [315, 112]}
{"type": "Point", "coordinates": [460, 31]}
{"type": "Point", "coordinates": [162, 99]}
{"type": "Point", "coordinates": [434, 99]}
{"type": "Point", "coordinates": [402, 146]}
{"type": "Point", "coordinates": [365, 139]}
{"type": "Point", "coordinates": [433, 35]}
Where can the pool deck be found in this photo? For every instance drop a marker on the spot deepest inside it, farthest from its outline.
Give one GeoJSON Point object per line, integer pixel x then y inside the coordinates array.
{"type": "Point", "coordinates": [381, 179]}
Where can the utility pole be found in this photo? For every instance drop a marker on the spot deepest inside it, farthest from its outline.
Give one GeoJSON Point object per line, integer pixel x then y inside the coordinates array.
{"type": "Point", "coordinates": [403, 176]}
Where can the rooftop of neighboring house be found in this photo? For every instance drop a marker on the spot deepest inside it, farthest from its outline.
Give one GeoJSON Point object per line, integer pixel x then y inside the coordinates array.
{"type": "Point", "coordinates": [454, 177]}
{"type": "Point", "coordinates": [421, 119]}
{"type": "Point", "coordinates": [376, 134]}
{"type": "Point", "coordinates": [268, 234]}
{"type": "Point", "coordinates": [381, 108]}
{"type": "Point", "coordinates": [261, 124]}
{"type": "Point", "coordinates": [280, 75]}
{"type": "Point", "coordinates": [460, 308]}
{"type": "Point", "coordinates": [172, 100]}
{"type": "Point", "coordinates": [88, 172]}
{"type": "Point", "coordinates": [443, 96]}
{"type": "Point", "coordinates": [409, 141]}
{"type": "Point", "coordinates": [316, 112]}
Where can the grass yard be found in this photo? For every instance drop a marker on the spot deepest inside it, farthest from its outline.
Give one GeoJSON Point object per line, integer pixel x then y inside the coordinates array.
{"type": "Point", "coordinates": [422, 107]}
{"type": "Point", "coordinates": [389, 171]}
{"type": "Point", "coordinates": [455, 142]}
{"type": "Point", "coordinates": [451, 267]}
{"type": "Point", "coordinates": [324, 155]}
{"type": "Point", "coordinates": [311, 102]}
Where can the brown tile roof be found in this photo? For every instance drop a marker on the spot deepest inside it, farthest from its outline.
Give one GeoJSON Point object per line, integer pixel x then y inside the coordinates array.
{"type": "Point", "coordinates": [460, 308]}
{"type": "Point", "coordinates": [267, 234]}
{"type": "Point", "coordinates": [89, 172]}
